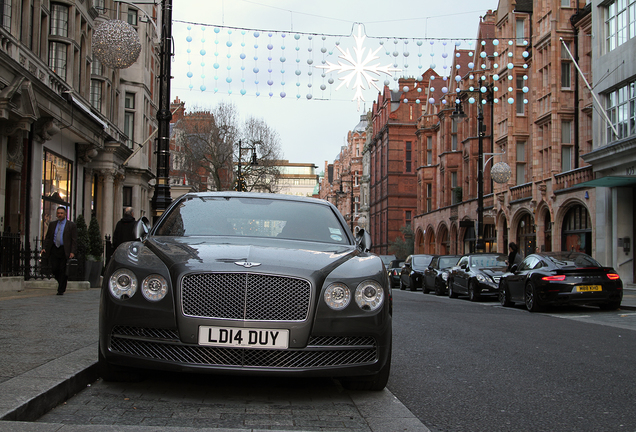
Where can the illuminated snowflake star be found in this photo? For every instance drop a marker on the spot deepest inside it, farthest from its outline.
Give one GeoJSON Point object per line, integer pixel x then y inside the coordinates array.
{"type": "Point", "coordinates": [359, 68]}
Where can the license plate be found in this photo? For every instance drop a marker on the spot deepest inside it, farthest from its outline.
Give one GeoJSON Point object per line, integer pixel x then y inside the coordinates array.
{"type": "Point", "coordinates": [588, 288]}
{"type": "Point", "coordinates": [243, 337]}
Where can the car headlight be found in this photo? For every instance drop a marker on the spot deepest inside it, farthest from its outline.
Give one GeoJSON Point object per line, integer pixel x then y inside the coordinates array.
{"type": "Point", "coordinates": [369, 295]}
{"type": "Point", "coordinates": [123, 284]}
{"type": "Point", "coordinates": [445, 276]}
{"type": "Point", "coordinates": [154, 287]}
{"type": "Point", "coordinates": [482, 278]}
{"type": "Point", "coordinates": [337, 296]}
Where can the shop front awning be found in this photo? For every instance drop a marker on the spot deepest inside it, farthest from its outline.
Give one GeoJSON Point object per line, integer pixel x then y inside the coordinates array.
{"type": "Point", "coordinates": [610, 181]}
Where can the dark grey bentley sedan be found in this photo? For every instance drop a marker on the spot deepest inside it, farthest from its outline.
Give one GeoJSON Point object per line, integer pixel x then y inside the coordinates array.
{"type": "Point", "coordinates": [247, 283]}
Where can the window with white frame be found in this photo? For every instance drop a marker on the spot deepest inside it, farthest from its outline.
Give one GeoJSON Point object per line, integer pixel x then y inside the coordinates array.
{"type": "Point", "coordinates": [408, 156]}
{"type": "Point", "coordinates": [96, 94]}
{"type": "Point", "coordinates": [566, 158]}
{"type": "Point", "coordinates": [620, 23]}
{"type": "Point", "coordinates": [99, 5]}
{"type": "Point", "coordinates": [5, 9]}
{"type": "Point", "coordinates": [520, 96]}
{"type": "Point", "coordinates": [520, 31]}
{"type": "Point", "coordinates": [131, 17]}
{"type": "Point", "coordinates": [621, 110]}
{"type": "Point", "coordinates": [565, 3]}
{"type": "Point", "coordinates": [566, 131]}
{"type": "Point", "coordinates": [521, 162]}
{"type": "Point", "coordinates": [129, 118]}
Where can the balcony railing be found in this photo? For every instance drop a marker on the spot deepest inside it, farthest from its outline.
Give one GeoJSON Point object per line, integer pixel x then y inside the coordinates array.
{"type": "Point", "coordinates": [572, 178]}
{"type": "Point", "coordinates": [521, 192]}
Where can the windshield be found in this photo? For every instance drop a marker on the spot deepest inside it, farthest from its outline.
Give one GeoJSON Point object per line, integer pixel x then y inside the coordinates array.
{"type": "Point", "coordinates": [488, 261]}
{"type": "Point", "coordinates": [445, 262]}
{"type": "Point", "coordinates": [252, 217]}
{"type": "Point", "coordinates": [572, 259]}
{"type": "Point", "coordinates": [421, 261]}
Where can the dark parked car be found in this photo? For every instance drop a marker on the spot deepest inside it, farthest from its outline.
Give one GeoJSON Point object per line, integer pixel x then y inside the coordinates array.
{"type": "Point", "coordinates": [477, 275]}
{"type": "Point", "coordinates": [393, 271]}
{"type": "Point", "coordinates": [561, 278]}
{"type": "Point", "coordinates": [248, 283]}
{"type": "Point", "coordinates": [436, 275]}
{"type": "Point", "coordinates": [412, 273]}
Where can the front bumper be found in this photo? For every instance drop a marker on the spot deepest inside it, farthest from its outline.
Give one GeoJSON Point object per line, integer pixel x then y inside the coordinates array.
{"type": "Point", "coordinates": [488, 289]}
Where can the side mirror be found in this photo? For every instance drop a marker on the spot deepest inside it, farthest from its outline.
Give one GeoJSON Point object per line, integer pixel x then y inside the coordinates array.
{"type": "Point", "coordinates": [514, 268]}
{"type": "Point", "coordinates": [464, 266]}
{"type": "Point", "coordinates": [363, 240]}
{"type": "Point", "coordinates": [141, 229]}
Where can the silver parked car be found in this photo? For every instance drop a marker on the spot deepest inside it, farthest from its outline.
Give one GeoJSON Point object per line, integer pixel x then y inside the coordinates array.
{"type": "Point", "coordinates": [248, 283]}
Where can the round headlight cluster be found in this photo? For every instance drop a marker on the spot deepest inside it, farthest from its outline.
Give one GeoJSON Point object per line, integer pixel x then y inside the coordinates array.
{"type": "Point", "coordinates": [369, 295]}
{"type": "Point", "coordinates": [445, 276]}
{"type": "Point", "coordinates": [337, 296]}
{"type": "Point", "coordinates": [123, 284]}
{"type": "Point", "coordinates": [154, 287]}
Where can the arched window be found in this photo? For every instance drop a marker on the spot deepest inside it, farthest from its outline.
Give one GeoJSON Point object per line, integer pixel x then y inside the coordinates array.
{"type": "Point", "coordinates": [526, 235]}
{"type": "Point", "coordinates": [576, 234]}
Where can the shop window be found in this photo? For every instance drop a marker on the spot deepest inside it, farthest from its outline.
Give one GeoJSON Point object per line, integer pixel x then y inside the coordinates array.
{"type": "Point", "coordinates": [56, 186]}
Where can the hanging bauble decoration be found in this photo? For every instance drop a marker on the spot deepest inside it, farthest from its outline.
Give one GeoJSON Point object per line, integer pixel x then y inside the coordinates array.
{"type": "Point", "coordinates": [500, 172]}
{"type": "Point", "coordinates": [116, 44]}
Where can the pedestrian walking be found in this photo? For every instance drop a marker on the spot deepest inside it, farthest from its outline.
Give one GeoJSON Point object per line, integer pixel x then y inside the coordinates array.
{"type": "Point", "coordinates": [60, 244]}
{"type": "Point", "coordinates": [514, 257]}
{"type": "Point", "coordinates": [125, 228]}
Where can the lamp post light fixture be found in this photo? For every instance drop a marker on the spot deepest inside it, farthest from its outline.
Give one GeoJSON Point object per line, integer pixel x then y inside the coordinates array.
{"type": "Point", "coordinates": [240, 182]}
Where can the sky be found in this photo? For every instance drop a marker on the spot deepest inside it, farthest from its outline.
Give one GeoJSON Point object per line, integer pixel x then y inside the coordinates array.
{"type": "Point", "coordinates": [240, 51]}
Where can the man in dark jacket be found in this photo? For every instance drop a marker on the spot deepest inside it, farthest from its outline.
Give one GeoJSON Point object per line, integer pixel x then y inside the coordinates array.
{"type": "Point", "coordinates": [60, 244]}
{"type": "Point", "coordinates": [125, 228]}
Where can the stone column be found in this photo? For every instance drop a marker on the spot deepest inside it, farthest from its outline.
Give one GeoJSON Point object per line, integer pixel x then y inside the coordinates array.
{"type": "Point", "coordinates": [88, 194]}
{"type": "Point", "coordinates": [107, 203]}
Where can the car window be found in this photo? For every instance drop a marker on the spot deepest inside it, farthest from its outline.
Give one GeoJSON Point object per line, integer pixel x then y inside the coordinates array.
{"type": "Point", "coordinates": [252, 217]}
{"type": "Point", "coordinates": [422, 261]}
{"type": "Point", "coordinates": [446, 262]}
{"type": "Point", "coordinates": [571, 259]}
{"type": "Point", "coordinates": [528, 263]}
{"type": "Point", "coordinates": [488, 261]}
{"type": "Point", "coordinates": [434, 262]}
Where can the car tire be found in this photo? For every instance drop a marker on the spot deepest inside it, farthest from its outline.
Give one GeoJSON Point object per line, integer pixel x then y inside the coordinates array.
{"type": "Point", "coordinates": [613, 305]}
{"type": "Point", "coordinates": [532, 299]}
{"type": "Point", "coordinates": [451, 292]}
{"type": "Point", "coordinates": [504, 296]}
{"type": "Point", "coordinates": [425, 289]}
{"type": "Point", "coordinates": [412, 282]}
{"type": "Point", "coordinates": [113, 373]}
{"type": "Point", "coordinates": [473, 291]}
{"type": "Point", "coordinates": [439, 291]}
{"type": "Point", "coordinates": [402, 287]}
{"type": "Point", "coordinates": [375, 382]}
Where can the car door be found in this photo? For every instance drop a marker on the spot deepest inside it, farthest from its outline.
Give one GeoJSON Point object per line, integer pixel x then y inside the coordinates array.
{"type": "Point", "coordinates": [459, 275]}
{"type": "Point", "coordinates": [429, 274]}
{"type": "Point", "coordinates": [517, 281]}
{"type": "Point", "coordinates": [405, 273]}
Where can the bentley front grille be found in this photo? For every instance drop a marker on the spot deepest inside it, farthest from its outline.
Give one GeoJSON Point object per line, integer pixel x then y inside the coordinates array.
{"type": "Point", "coordinates": [321, 352]}
{"type": "Point", "coordinates": [245, 296]}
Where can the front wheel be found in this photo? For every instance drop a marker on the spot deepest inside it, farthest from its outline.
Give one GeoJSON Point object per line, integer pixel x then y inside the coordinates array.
{"type": "Point", "coordinates": [504, 296]}
{"type": "Point", "coordinates": [473, 291]}
{"type": "Point", "coordinates": [451, 292]}
{"type": "Point", "coordinates": [425, 289]}
{"type": "Point", "coordinates": [532, 299]}
{"type": "Point", "coordinates": [413, 287]}
{"type": "Point", "coordinates": [439, 290]}
{"type": "Point", "coordinates": [375, 382]}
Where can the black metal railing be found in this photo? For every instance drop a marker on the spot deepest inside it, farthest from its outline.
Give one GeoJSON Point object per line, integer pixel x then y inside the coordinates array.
{"type": "Point", "coordinates": [10, 254]}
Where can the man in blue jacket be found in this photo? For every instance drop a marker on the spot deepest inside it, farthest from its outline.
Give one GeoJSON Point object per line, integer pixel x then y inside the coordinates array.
{"type": "Point", "coordinates": [60, 244]}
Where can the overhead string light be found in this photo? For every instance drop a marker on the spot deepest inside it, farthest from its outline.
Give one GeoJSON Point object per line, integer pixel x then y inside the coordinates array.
{"type": "Point", "coordinates": [228, 79]}
{"type": "Point", "coordinates": [256, 70]}
{"type": "Point", "coordinates": [202, 52]}
{"type": "Point", "coordinates": [310, 62]}
{"type": "Point", "coordinates": [270, 47]}
{"type": "Point", "coordinates": [298, 72]}
{"type": "Point", "coordinates": [243, 56]}
{"type": "Point", "coordinates": [323, 61]}
{"type": "Point", "coordinates": [189, 62]}
{"type": "Point", "coordinates": [282, 59]}
{"type": "Point", "coordinates": [216, 65]}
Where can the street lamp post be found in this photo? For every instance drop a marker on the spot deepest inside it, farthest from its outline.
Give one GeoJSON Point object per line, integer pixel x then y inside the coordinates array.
{"type": "Point", "coordinates": [479, 244]}
{"type": "Point", "coordinates": [161, 199]}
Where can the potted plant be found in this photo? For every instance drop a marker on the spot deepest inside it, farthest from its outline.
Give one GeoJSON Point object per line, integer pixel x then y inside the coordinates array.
{"type": "Point", "coordinates": [82, 246]}
{"type": "Point", "coordinates": [95, 251]}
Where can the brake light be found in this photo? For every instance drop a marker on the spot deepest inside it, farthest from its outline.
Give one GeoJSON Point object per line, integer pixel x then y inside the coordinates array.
{"type": "Point", "coordinates": [613, 276]}
{"type": "Point", "coordinates": [554, 278]}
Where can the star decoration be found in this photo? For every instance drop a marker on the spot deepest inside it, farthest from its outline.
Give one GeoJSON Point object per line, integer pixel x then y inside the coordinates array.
{"type": "Point", "coordinates": [359, 68]}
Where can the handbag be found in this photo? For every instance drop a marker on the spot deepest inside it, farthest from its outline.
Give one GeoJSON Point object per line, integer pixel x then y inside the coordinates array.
{"type": "Point", "coordinates": [71, 269]}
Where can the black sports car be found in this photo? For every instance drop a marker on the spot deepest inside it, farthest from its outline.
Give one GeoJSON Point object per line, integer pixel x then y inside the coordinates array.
{"type": "Point", "coordinates": [561, 278]}
{"type": "Point", "coordinates": [248, 283]}
{"type": "Point", "coordinates": [412, 274]}
{"type": "Point", "coordinates": [436, 275]}
{"type": "Point", "coordinates": [477, 275]}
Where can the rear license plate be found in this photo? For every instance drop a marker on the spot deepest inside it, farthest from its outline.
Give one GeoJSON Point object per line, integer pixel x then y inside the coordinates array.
{"type": "Point", "coordinates": [588, 288]}
{"type": "Point", "coordinates": [243, 337]}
